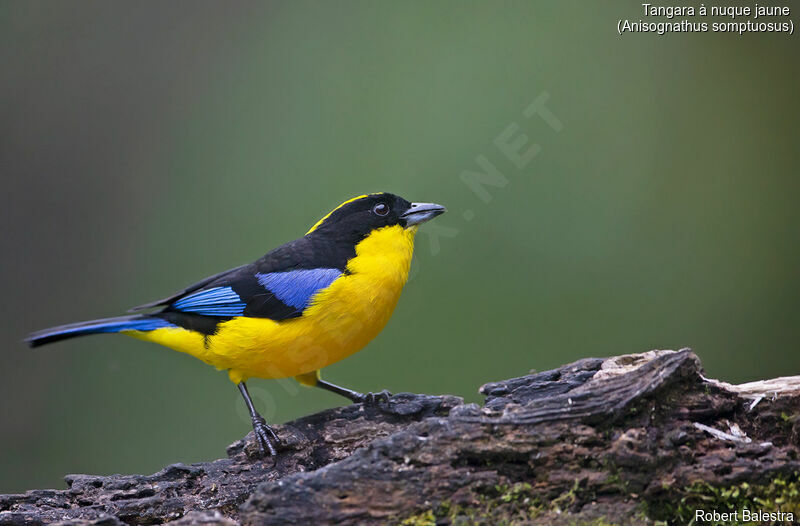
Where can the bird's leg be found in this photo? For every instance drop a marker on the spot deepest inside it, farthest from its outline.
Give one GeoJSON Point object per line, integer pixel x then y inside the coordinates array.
{"type": "Point", "coordinates": [264, 434]}
{"type": "Point", "coordinates": [355, 396]}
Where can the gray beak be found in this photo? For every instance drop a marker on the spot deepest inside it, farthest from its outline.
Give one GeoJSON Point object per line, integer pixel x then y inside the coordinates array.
{"type": "Point", "coordinates": [421, 212]}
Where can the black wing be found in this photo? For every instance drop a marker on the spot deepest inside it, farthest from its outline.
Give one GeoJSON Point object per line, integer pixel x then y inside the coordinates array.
{"type": "Point", "coordinates": [278, 286]}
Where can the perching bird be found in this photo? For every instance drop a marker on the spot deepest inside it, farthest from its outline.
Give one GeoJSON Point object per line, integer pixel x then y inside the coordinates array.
{"type": "Point", "coordinates": [301, 307]}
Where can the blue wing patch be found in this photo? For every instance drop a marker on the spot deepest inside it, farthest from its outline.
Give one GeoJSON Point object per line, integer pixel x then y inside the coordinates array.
{"type": "Point", "coordinates": [296, 287]}
{"type": "Point", "coordinates": [217, 301]}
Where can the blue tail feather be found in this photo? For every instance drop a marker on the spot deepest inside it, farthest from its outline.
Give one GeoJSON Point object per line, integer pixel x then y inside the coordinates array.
{"type": "Point", "coordinates": [105, 325]}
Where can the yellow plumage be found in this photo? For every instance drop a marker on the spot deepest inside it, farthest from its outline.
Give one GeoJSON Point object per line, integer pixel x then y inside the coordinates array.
{"type": "Point", "coordinates": [340, 321]}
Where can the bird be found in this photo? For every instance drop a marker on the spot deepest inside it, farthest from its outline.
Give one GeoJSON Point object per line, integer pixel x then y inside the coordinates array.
{"type": "Point", "coordinates": [301, 307]}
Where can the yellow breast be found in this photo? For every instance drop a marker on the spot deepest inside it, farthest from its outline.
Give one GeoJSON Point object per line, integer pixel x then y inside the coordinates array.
{"type": "Point", "coordinates": [340, 321]}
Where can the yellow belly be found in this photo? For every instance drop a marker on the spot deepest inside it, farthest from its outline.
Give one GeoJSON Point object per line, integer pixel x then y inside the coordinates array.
{"type": "Point", "coordinates": [340, 321]}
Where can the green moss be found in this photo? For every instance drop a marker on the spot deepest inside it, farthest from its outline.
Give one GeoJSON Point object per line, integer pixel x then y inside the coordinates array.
{"type": "Point", "coordinates": [566, 499]}
{"type": "Point", "coordinates": [502, 504]}
{"type": "Point", "coordinates": [614, 479]}
{"type": "Point", "coordinates": [781, 494]}
{"type": "Point", "coordinates": [426, 518]}
{"type": "Point", "coordinates": [516, 503]}
{"type": "Point", "coordinates": [515, 492]}
{"type": "Point", "coordinates": [789, 420]}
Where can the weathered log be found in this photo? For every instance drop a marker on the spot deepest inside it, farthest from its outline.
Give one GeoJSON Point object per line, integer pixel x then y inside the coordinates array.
{"type": "Point", "coordinates": [626, 440]}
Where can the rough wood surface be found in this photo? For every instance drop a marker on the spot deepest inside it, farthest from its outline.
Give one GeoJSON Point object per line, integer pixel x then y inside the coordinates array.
{"type": "Point", "coordinates": [626, 440]}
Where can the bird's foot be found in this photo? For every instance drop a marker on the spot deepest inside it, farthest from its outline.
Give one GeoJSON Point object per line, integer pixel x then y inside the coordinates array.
{"type": "Point", "coordinates": [373, 399]}
{"type": "Point", "coordinates": [265, 436]}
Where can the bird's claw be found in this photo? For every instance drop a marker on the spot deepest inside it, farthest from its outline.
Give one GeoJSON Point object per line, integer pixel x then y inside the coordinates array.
{"type": "Point", "coordinates": [375, 399]}
{"type": "Point", "coordinates": [265, 436]}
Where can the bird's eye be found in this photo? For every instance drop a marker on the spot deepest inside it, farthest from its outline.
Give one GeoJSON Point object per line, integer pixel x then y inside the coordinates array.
{"type": "Point", "coordinates": [381, 209]}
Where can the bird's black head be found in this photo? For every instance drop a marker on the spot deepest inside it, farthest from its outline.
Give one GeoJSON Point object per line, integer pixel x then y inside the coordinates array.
{"type": "Point", "coordinates": [354, 219]}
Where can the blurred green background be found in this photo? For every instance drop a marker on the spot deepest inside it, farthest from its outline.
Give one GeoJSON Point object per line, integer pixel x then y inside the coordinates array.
{"type": "Point", "coordinates": [147, 145]}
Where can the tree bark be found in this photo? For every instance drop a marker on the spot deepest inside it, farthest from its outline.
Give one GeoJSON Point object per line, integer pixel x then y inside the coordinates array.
{"type": "Point", "coordinates": [632, 439]}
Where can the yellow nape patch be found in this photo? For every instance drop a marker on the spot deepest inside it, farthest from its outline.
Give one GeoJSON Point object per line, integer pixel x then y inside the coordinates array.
{"type": "Point", "coordinates": [340, 320]}
{"type": "Point", "coordinates": [316, 225]}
